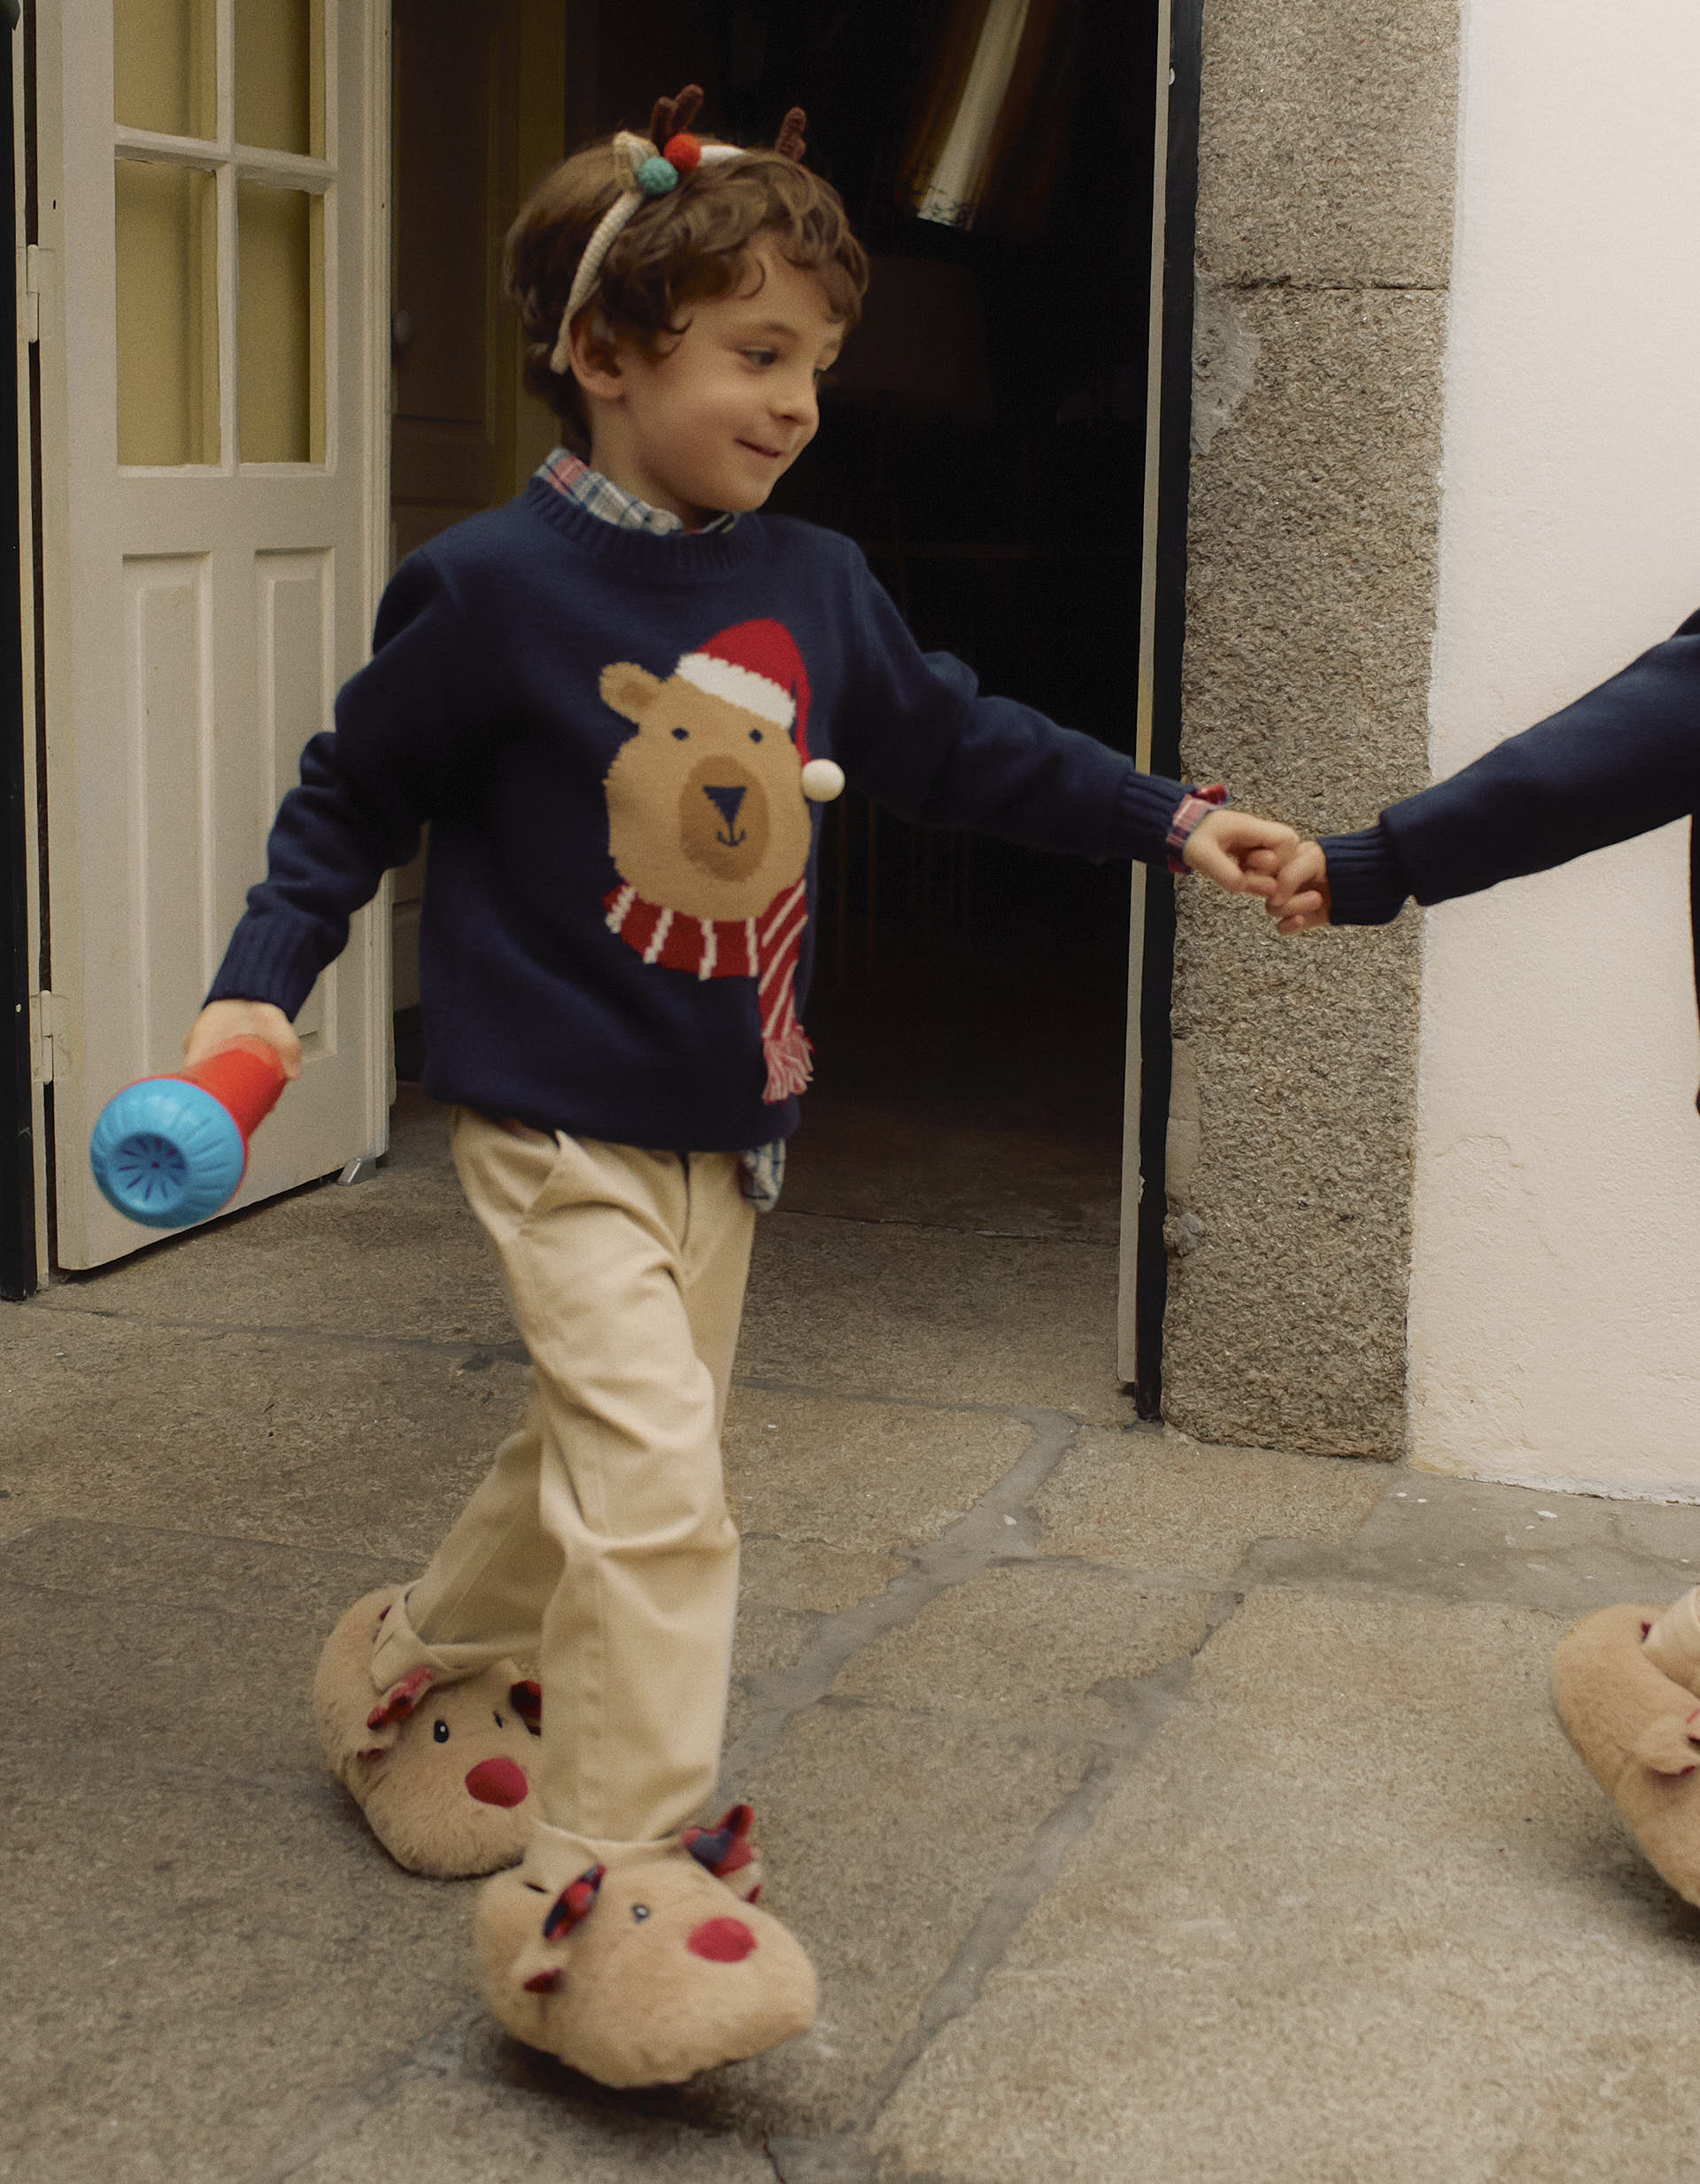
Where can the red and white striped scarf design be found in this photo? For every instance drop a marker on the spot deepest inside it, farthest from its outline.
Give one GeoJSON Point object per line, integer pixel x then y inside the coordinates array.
{"type": "Point", "coordinates": [763, 948]}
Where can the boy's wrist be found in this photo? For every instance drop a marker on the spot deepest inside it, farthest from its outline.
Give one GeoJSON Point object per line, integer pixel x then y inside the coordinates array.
{"type": "Point", "coordinates": [1196, 805]}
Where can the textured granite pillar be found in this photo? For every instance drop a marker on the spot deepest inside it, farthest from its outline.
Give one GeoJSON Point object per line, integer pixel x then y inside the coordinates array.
{"type": "Point", "coordinates": [1325, 175]}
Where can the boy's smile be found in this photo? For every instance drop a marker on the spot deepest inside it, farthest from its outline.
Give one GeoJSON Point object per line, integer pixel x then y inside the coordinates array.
{"type": "Point", "coordinates": [713, 421]}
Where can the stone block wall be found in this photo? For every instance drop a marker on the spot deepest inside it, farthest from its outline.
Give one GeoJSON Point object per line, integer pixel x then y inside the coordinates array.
{"type": "Point", "coordinates": [1325, 189]}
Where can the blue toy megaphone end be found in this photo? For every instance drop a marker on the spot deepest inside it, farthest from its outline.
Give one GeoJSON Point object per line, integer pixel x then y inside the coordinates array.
{"type": "Point", "coordinates": [166, 1154]}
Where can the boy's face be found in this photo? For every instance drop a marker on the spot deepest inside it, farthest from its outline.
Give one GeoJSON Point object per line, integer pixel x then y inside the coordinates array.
{"type": "Point", "coordinates": [714, 421]}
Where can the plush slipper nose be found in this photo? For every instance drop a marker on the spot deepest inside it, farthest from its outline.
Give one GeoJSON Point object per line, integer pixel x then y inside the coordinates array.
{"type": "Point", "coordinates": [497, 1782]}
{"type": "Point", "coordinates": [721, 1940]}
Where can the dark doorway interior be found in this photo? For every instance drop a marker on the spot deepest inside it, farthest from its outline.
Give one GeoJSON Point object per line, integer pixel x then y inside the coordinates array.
{"type": "Point", "coordinates": [985, 444]}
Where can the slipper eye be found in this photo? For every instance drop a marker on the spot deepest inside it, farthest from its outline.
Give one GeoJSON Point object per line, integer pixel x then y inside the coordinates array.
{"type": "Point", "coordinates": [639, 1913]}
{"type": "Point", "coordinates": [500, 1723]}
{"type": "Point", "coordinates": [440, 1730]}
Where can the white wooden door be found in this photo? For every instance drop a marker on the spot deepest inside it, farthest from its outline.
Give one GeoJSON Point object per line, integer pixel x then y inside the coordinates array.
{"type": "Point", "coordinates": [214, 368]}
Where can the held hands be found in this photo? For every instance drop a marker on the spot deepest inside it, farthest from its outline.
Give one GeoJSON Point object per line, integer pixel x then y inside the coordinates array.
{"type": "Point", "coordinates": [221, 1020]}
{"type": "Point", "coordinates": [1239, 851]}
{"type": "Point", "coordinates": [1247, 855]}
{"type": "Point", "coordinates": [1299, 898]}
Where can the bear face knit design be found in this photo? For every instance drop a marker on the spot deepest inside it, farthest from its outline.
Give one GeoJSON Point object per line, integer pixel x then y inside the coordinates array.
{"type": "Point", "coordinates": [707, 816]}
{"type": "Point", "coordinates": [576, 710]}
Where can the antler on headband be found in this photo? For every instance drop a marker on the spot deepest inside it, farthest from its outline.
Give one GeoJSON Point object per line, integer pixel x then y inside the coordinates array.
{"type": "Point", "coordinates": [651, 166]}
{"type": "Point", "coordinates": [668, 116]}
{"type": "Point", "coordinates": [671, 116]}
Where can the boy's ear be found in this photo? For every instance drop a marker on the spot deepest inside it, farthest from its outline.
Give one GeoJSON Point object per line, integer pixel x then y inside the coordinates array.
{"type": "Point", "coordinates": [629, 690]}
{"type": "Point", "coordinates": [595, 357]}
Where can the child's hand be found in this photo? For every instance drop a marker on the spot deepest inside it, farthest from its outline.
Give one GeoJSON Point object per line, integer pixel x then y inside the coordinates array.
{"type": "Point", "coordinates": [221, 1020]}
{"type": "Point", "coordinates": [1300, 898]}
{"type": "Point", "coordinates": [1237, 850]}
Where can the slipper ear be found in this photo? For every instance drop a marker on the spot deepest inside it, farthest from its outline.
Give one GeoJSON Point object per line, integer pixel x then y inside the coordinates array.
{"type": "Point", "coordinates": [1673, 1642]}
{"type": "Point", "coordinates": [1666, 1746]}
{"type": "Point", "coordinates": [573, 1903]}
{"type": "Point", "coordinates": [384, 1723]}
{"type": "Point", "coordinates": [526, 1699]}
{"type": "Point", "coordinates": [727, 1849]}
{"type": "Point", "coordinates": [400, 1700]}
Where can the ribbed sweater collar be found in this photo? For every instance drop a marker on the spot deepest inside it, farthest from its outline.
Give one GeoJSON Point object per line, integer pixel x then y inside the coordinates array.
{"type": "Point", "coordinates": [680, 556]}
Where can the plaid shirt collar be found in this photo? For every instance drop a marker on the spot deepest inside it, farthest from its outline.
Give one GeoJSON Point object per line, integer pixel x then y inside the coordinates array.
{"type": "Point", "coordinates": [601, 497]}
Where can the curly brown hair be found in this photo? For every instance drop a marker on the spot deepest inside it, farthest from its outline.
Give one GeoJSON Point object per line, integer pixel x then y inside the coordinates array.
{"type": "Point", "coordinates": [692, 244]}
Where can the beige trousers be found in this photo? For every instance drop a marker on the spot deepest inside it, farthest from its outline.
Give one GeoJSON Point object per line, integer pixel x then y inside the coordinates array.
{"type": "Point", "coordinates": [601, 1541]}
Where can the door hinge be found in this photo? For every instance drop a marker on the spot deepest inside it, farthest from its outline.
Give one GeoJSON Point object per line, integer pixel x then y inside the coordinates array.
{"type": "Point", "coordinates": [41, 1038]}
{"type": "Point", "coordinates": [29, 292]}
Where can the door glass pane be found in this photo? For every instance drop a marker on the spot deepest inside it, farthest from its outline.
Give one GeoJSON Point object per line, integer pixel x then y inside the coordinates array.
{"type": "Point", "coordinates": [280, 74]}
{"type": "Point", "coordinates": [163, 74]}
{"type": "Point", "coordinates": [279, 325]}
{"type": "Point", "coordinates": [168, 308]}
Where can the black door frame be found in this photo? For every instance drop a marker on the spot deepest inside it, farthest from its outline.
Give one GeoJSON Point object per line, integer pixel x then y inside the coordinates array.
{"type": "Point", "coordinates": [19, 1271]}
{"type": "Point", "coordinates": [1174, 481]}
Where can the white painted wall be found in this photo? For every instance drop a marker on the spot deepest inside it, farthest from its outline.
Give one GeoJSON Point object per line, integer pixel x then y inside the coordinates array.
{"type": "Point", "coordinates": [1555, 1322]}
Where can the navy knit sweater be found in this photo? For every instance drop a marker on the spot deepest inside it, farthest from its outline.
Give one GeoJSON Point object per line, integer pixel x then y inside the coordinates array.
{"type": "Point", "coordinates": [1620, 761]}
{"type": "Point", "coordinates": [604, 733]}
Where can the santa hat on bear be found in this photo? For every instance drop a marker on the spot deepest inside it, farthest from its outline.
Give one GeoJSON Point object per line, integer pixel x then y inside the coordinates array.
{"type": "Point", "coordinates": [756, 667]}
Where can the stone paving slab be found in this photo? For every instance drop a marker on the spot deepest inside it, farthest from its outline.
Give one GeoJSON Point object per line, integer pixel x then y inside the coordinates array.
{"type": "Point", "coordinates": [889, 1832]}
{"type": "Point", "coordinates": [1151, 1809]}
{"type": "Point", "coordinates": [897, 1474]}
{"type": "Point", "coordinates": [289, 1436]}
{"type": "Point", "coordinates": [1159, 1501]}
{"type": "Point", "coordinates": [1359, 1914]}
{"type": "Point", "coordinates": [197, 1962]}
{"type": "Point", "coordinates": [452, 2131]}
{"type": "Point", "coordinates": [934, 1316]}
{"type": "Point", "coordinates": [1029, 1646]}
{"type": "Point", "coordinates": [403, 1258]}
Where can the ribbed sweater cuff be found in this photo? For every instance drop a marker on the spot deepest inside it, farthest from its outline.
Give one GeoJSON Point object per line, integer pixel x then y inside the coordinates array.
{"type": "Point", "coordinates": [267, 961]}
{"type": "Point", "coordinates": [1366, 886]}
{"type": "Point", "coordinates": [1144, 812]}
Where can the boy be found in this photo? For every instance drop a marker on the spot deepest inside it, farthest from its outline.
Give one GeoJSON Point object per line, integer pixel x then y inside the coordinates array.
{"type": "Point", "coordinates": [614, 701]}
{"type": "Point", "coordinates": [1620, 761]}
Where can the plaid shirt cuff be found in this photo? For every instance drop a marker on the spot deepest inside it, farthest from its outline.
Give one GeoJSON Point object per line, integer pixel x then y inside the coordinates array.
{"type": "Point", "coordinates": [1194, 805]}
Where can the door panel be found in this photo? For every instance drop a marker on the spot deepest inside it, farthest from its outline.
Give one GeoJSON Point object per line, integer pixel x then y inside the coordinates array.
{"type": "Point", "coordinates": [213, 376]}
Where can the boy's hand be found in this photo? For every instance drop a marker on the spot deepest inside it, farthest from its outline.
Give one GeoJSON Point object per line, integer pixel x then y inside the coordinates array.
{"type": "Point", "coordinates": [1300, 898]}
{"type": "Point", "coordinates": [221, 1020]}
{"type": "Point", "coordinates": [1237, 850]}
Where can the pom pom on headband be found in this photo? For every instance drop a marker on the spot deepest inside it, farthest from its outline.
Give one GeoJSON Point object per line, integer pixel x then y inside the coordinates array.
{"type": "Point", "coordinates": [653, 173]}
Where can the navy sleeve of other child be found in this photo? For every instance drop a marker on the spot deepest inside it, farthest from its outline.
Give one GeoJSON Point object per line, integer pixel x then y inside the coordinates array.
{"type": "Point", "coordinates": [1620, 761]}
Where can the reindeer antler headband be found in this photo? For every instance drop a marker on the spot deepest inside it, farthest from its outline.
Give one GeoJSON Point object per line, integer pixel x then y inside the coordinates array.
{"type": "Point", "coordinates": [653, 173]}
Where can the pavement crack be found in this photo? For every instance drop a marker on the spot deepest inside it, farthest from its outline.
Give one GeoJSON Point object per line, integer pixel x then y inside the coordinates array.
{"type": "Point", "coordinates": [1006, 1910]}
{"type": "Point", "coordinates": [477, 1355]}
{"type": "Point", "coordinates": [976, 1542]}
{"type": "Point", "coordinates": [437, 2054]}
{"type": "Point", "coordinates": [1144, 1704]}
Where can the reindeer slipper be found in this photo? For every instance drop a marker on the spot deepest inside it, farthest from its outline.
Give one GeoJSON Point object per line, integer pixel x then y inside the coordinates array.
{"type": "Point", "coordinates": [441, 1770]}
{"type": "Point", "coordinates": [1626, 1681]}
{"type": "Point", "coordinates": [652, 1967]}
